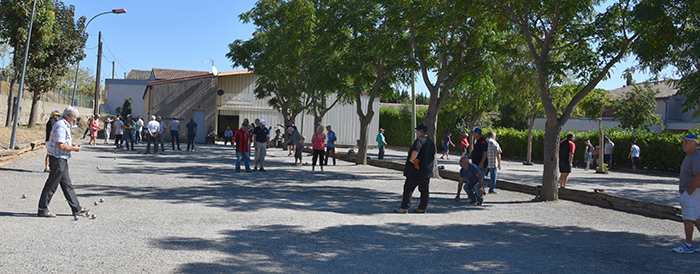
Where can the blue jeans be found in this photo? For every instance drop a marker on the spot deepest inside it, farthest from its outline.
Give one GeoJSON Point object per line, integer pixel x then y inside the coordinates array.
{"type": "Point", "coordinates": [174, 134]}
{"type": "Point", "coordinates": [381, 153]}
{"type": "Point", "coordinates": [129, 138]}
{"type": "Point", "coordinates": [493, 176]}
{"type": "Point", "coordinates": [473, 191]}
{"type": "Point", "coordinates": [246, 159]}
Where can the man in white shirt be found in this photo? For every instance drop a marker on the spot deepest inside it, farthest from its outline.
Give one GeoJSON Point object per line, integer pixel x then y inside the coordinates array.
{"type": "Point", "coordinates": [119, 132]}
{"type": "Point", "coordinates": [153, 127]}
{"type": "Point", "coordinates": [139, 130]}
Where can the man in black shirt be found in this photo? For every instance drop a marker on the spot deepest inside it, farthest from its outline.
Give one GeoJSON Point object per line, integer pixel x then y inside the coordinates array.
{"type": "Point", "coordinates": [55, 115]}
{"type": "Point", "coordinates": [191, 133]}
{"type": "Point", "coordinates": [418, 170]}
{"type": "Point", "coordinates": [260, 136]}
{"type": "Point", "coordinates": [480, 150]}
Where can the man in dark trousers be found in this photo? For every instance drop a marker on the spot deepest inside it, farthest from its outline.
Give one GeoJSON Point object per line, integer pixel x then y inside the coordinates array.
{"type": "Point", "coordinates": [191, 133]}
{"type": "Point", "coordinates": [418, 170]}
{"type": "Point", "coordinates": [59, 148]}
{"type": "Point", "coordinates": [567, 148]}
{"type": "Point", "coordinates": [480, 151]}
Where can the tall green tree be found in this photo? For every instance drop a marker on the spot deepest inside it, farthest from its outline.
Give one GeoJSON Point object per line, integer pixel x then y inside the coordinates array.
{"type": "Point", "coordinates": [637, 110]}
{"type": "Point", "coordinates": [451, 40]}
{"type": "Point", "coordinates": [516, 78]}
{"type": "Point", "coordinates": [471, 97]}
{"type": "Point", "coordinates": [86, 81]}
{"type": "Point", "coordinates": [670, 37]}
{"type": "Point", "coordinates": [284, 52]}
{"type": "Point", "coordinates": [592, 43]}
{"type": "Point", "coordinates": [374, 54]}
{"type": "Point", "coordinates": [66, 48]}
{"type": "Point", "coordinates": [14, 30]}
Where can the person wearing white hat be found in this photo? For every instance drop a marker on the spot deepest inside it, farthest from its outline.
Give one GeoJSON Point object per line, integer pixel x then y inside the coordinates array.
{"type": "Point", "coordinates": [153, 127]}
{"type": "Point", "coordinates": [260, 136]}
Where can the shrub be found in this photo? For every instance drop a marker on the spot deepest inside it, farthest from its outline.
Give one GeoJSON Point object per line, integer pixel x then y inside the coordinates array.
{"type": "Point", "coordinates": [659, 151]}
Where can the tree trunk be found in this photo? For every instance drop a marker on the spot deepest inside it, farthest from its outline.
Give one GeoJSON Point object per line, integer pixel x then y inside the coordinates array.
{"type": "Point", "coordinates": [431, 122]}
{"type": "Point", "coordinates": [364, 138]}
{"type": "Point", "coordinates": [36, 95]}
{"type": "Point", "coordinates": [550, 174]}
{"type": "Point", "coordinates": [530, 125]}
{"type": "Point", "coordinates": [10, 100]}
{"type": "Point", "coordinates": [365, 120]}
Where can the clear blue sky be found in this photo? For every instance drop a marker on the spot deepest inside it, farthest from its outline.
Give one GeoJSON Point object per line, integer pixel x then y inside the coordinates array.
{"type": "Point", "coordinates": [181, 34]}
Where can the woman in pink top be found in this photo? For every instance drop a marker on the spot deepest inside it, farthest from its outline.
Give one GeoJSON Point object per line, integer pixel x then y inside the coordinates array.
{"type": "Point", "coordinates": [319, 142]}
{"type": "Point", "coordinates": [94, 127]}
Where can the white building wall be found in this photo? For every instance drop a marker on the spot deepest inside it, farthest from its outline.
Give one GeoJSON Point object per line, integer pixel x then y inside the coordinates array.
{"type": "Point", "coordinates": [120, 89]}
{"type": "Point", "coordinates": [343, 118]}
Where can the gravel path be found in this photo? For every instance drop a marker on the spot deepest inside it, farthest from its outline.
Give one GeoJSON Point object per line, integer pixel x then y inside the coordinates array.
{"type": "Point", "coordinates": [188, 212]}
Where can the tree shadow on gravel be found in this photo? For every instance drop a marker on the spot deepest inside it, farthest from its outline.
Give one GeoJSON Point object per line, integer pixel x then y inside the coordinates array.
{"type": "Point", "coordinates": [248, 196]}
{"type": "Point", "coordinates": [503, 247]}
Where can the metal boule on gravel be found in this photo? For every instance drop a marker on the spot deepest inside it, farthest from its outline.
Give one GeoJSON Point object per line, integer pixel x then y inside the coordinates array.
{"type": "Point", "coordinates": [24, 196]}
{"type": "Point", "coordinates": [96, 203]}
{"type": "Point", "coordinates": [76, 217]}
{"type": "Point", "coordinates": [102, 200]}
{"type": "Point", "coordinates": [97, 167]}
{"type": "Point", "coordinates": [93, 216]}
{"type": "Point", "coordinates": [87, 214]}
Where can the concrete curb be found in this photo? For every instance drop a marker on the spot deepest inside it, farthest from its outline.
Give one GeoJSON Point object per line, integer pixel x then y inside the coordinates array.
{"type": "Point", "coordinates": [649, 209]}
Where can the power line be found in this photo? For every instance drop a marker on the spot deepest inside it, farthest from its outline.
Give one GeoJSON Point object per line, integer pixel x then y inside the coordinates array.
{"type": "Point", "coordinates": [115, 57]}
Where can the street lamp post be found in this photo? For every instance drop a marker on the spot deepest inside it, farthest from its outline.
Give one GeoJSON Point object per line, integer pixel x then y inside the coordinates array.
{"type": "Point", "coordinates": [99, 42]}
{"type": "Point", "coordinates": [13, 138]}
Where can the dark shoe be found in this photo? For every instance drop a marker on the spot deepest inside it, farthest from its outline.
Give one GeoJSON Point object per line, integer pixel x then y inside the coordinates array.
{"type": "Point", "coordinates": [479, 203]}
{"type": "Point", "coordinates": [238, 171]}
{"type": "Point", "coordinates": [401, 210]}
{"type": "Point", "coordinates": [493, 192]}
{"type": "Point", "coordinates": [248, 171]}
{"type": "Point", "coordinates": [418, 210]}
{"type": "Point", "coordinates": [255, 169]}
{"type": "Point", "coordinates": [262, 169]}
{"type": "Point", "coordinates": [46, 215]}
{"type": "Point", "coordinates": [145, 153]}
{"type": "Point", "coordinates": [47, 170]}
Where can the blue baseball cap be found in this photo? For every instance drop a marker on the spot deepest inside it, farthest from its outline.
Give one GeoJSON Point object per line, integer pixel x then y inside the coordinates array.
{"type": "Point", "coordinates": [477, 130]}
{"type": "Point", "coordinates": [56, 112]}
{"type": "Point", "coordinates": [691, 137]}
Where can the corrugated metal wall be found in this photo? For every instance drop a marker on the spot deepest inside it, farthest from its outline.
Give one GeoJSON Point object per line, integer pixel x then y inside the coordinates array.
{"type": "Point", "coordinates": [343, 118]}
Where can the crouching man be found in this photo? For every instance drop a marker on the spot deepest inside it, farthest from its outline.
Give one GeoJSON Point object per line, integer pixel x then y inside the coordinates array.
{"type": "Point", "coordinates": [474, 185]}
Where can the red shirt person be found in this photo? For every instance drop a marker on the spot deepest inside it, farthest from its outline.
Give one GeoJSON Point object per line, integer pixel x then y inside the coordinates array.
{"type": "Point", "coordinates": [241, 142]}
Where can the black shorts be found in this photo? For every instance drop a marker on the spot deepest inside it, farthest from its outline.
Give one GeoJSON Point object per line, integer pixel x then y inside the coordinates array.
{"type": "Point", "coordinates": [564, 167]}
{"type": "Point", "coordinates": [635, 161]}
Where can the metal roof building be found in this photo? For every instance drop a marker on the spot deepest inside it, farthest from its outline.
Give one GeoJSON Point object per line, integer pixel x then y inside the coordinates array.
{"type": "Point", "coordinates": [196, 96]}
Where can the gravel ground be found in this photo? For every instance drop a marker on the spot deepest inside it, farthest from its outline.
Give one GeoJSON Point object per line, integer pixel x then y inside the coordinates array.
{"type": "Point", "coordinates": [189, 212]}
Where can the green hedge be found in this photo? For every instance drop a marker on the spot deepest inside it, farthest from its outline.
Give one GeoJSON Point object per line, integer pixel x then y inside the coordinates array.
{"type": "Point", "coordinates": [659, 151]}
{"type": "Point", "coordinates": [397, 123]}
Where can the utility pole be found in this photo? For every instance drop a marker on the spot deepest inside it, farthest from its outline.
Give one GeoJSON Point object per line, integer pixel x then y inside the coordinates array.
{"type": "Point", "coordinates": [13, 137]}
{"type": "Point", "coordinates": [97, 78]}
{"type": "Point", "coordinates": [413, 95]}
{"type": "Point", "coordinates": [112, 69]}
